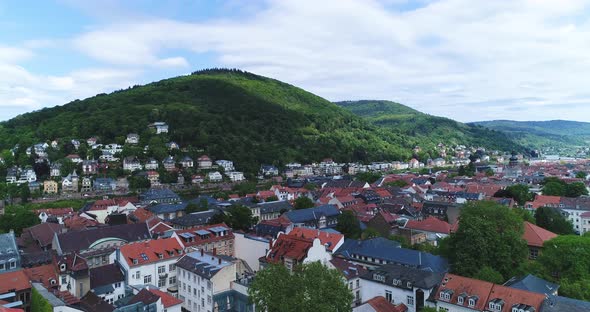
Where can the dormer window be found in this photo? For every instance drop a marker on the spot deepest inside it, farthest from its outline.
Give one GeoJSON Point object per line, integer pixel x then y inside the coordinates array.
{"type": "Point", "coordinates": [62, 267]}
{"type": "Point", "coordinates": [160, 256]}
{"type": "Point", "coordinates": [460, 300]}
{"type": "Point", "coordinates": [472, 301]}
{"type": "Point", "coordinates": [135, 261]}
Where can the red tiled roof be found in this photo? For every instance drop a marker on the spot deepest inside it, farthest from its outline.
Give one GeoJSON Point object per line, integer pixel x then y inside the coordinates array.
{"type": "Point", "coordinates": [16, 280]}
{"type": "Point", "coordinates": [76, 222]}
{"type": "Point", "coordinates": [55, 211]}
{"type": "Point", "coordinates": [545, 200]}
{"type": "Point", "coordinates": [3, 309]}
{"type": "Point", "coordinates": [486, 291]}
{"type": "Point", "coordinates": [149, 251]}
{"type": "Point", "coordinates": [142, 214]}
{"type": "Point", "coordinates": [43, 274]}
{"type": "Point", "coordinates": [535, 235]}
{"type": "Point", "coordinates": [289, 246]}
{"type": "Point", "coordinates": [198, 241]}
{"type": "Point", "coordinates": [380, 304]}
{"type": "Point", "coordinates": [430, 224]}
{"type": "Point", "coordinates": [43, 233]}
{"type": "Point", "coordinates": [325, 238]}
{"type": "Point", "coordinates": [167, 300]}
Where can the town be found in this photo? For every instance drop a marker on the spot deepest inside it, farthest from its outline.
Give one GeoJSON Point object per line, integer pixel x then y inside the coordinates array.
{"type": "Point", "coordinates": [103, 226]}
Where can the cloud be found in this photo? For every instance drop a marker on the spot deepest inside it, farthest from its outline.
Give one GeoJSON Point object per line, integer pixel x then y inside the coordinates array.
{"type": "Point", "coordinates": [466, 60]}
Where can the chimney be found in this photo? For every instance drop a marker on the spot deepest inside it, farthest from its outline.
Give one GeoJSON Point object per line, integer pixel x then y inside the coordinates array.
{"type": "Point", "coordinates": [219, 260]}
{"type": "Point", "coordinates": [202, 252]}
{"type": "Point", "coordinates": [215, 251]}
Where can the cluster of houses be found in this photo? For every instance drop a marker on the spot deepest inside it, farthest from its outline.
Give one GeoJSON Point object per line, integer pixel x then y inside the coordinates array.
{"type": "Point", "coordinates": [148, 253]}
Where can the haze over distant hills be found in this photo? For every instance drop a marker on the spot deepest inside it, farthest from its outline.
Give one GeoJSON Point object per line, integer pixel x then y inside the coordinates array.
{"type": "Point", "coordinates": [543, 134]}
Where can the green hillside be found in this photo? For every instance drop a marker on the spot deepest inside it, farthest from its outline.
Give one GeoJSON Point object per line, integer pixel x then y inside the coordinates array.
{"type": "Point", "coordinates": [228, 114]}
{"type": "Point", "coordinates": [543, 134]}
{"type": "Point", "coordinates": [427, 129]}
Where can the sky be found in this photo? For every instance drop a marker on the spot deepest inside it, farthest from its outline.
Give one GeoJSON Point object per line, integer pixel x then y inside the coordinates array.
{"type": "Point", "coordinates": [463, 59]}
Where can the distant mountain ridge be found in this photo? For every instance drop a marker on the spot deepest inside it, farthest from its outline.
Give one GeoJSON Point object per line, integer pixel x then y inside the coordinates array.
{"type": "Point", "coordinates": [430, 130]}
{"type": "Point", "coordinates": [543, 134]}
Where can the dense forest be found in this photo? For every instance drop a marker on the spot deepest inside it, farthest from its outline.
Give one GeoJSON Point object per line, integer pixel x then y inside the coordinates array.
{"type": "Point", "coordinates": [228, 114]}
{"type": "Point", "coordinates": [427, 129]}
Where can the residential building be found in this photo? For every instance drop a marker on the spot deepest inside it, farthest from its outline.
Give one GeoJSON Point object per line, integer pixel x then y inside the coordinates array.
{"type": "Point", "coordinates": [204, 162]}
{"type": "Point", "coordinates": [533, 284]}
{"type": "Point", "coordinates": [186, 162]}
{"type": "Point", "coordinates": [10, 259]}
{"type": "Point", "coordinates": [251, 248]}
{"type": "Point", "coordinates": [218, 237]}
{"type": "Point", "coordinates": [73, 274]}
{"type": "Point", "coordinates": [132, 138]}
{"type": "Point", "coordinates": [535, 236]}
{"type": "Point", "coordinates": [158, 196]}
{"type": "Point", "coordinates": [214, 176]}
{"type": "Point", "coordinates": [151, 164]}
{"type": "Point", "coordinates": [291, 250]}
{"type": "Point", "coordinates": [86, 185]}
{"type": "Point", "coordinates": [269, 171]}
{"type": "Point", "coordinates": [55, 170]}
{"type": "Point", "coordinates": [380, 304]}
{"type": "Point", "coordinates": [89, 167]}
{"type": "Point", "coordinates": [15, 289]}
{"type": "Point", "coordinates": [50, 187]}
{"type": "Point", "coordinates": [235, 176]}
{"type": "Point", "coordinates": [159, 127]}
{"type": "Point", "coordinates": [270, 210]}
{"type": "Point", "coordinates": [108, 282]}
{"type": "Point", "coordinates": [105, 185]}
{"type": "Point", "coordinates": [457, 293]}
{"type": "Point", "coordinates": [400, 284]}
{"type": "Point", "coordinates": [227, 165]}
{"type": "Point", "coordinates": [169, 163]}
{"type": "Point", "coordinates": [352, 275]}
{"type": "Point", "coordinates": [70, 183]}
{"type": "Point", "coordinates": [131, 163]}
{"type": "Point", "coordinates": [317, 217]}
{"type": "Point", "coordinates": [201, 276]}
{"type": "Point", "coordinates": [151, 262]}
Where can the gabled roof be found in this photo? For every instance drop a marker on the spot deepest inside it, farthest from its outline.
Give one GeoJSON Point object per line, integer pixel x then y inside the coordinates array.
{"type": "Point", "coordinates": [43, 274]}
{"type": "Point", "coordinates": [105, 275]}
{"type": "Point", "coordinates": [430, 224]}
{"type": "Point", "coordinates": [380, 304]}
{"type": "Point", "coordinates": [16, 280]}
{"type": "Point", "coordinates": [194, 219]}
{"type": "Point", "coordinates": [289, 246]}
{"type": "Point", "coordinates": [535, 235]}
{"type": "Point", "coordinates": [348, 269]}
{"type": "Point", "coordinates": [310, 214]}
{"type": "Point", "coordinates": [533, 283]}
{"type": "Point", "coordinates": [418, 278]}
{"type": "Point", "coordinates": [330, 240]}
{"type": "Point", "coordinates": [151, 251]}
{"type": "Point", "coordinates": [145, 296]}
{"type": "Point", "coordinates": [167, 299]}
{"type": "Point", "coordinates": [81, 240]}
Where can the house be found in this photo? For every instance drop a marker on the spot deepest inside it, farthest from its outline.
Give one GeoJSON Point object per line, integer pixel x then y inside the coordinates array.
{"type": "Point", "coordinates": [73, 274]}
{"type": "Point", "coordinates": [169, 163]}
{"type": "Point", "coordinates": [203, 276]}
{"type": "Point", "coordinates": [57, 214]}
{"type": "Point", "coordinates": [159, 127]}
{"type": "Point", "coordinates": [55, 170]}
{"type": "Point", "coordinates": [214, 176]}
{"type": "Point", "coordinates": [317, 217]}
{"type": "Point", "coordinates": [535, 236]}
{"type": "Point", "coordinates": [457, 293]}
{"type": "Point", "coordinates": [15, 289]}
{"type": "Point", "coordinates": [154, 177]}
{"type": "Point", "coordinates": [89, 167]}
{"type": "Point", "coordinates": [27, 176]}
{"type": "Point", "coordinates": [291, 250]}
{"type": "Point", "coordinates": [172, 145]}
{"type": "Point", "coordinates": [235, 176]}
{"type": "Point", "coordinates": [197, 178]}
{"type": "Point", "coordinates": [384, 222]}
{"type": "Point", "coordinates": [50, 187]}
{"type": "Point", "coordinates": [331, 241]}
{"type": "Point", "coordinates": [186, 162]}
{"type": "Point", "coordinates": [158, 196]}
{"type": "Point", "coordinates": [75, 158]}
{"type": "Point", "coordinates": [216, 237]}
{"type": "Point", "coordinates": [151, 262]}
{"type": "Point", "coordinates": [351, 273]}
{"type": "Point", "coordinates": [168, 211]}
{"type": "Point", "coordinates": [151, 164]}
{"type": "Point", "coordinates": [434, 228]}
{"type": "Point", "coordinates": [271, 228]}
{"type": "Point", "coordinates": [104, 185]}
{"type": "Point", "coordinates": [11, 175]}
{"type": "Point", "coordinates": [400, 284]}
{"type": "Point", "coordinates": [270, 210]}
{"type": "Point", "coordinates": [10, 259]}
{"type": "Point", "coordinates": [108, 282]}
{"type": "Point", "coordinates": [269, 171]}
{"type": "Point", "coordinates": [375, 252]}
{"type": "Point", "coordinates": [39, 237]}
{"type": "Point", "coordinates": [227, 165]}
{"type": "Point", "coordinates": [169, 302]}
{"type": "Point", "coordinates": [204, 162]}
{"type": "Point", "coordinates": [108, 156]}
{"type": "Point", "coordinates": [380, 304]}
{"type": "Point", "coordinates": [250, 248]}
{"type": "Point", "coordinates": [131, 163]}
{"type": "Point", "coordinates": [91, 141]}
{"type": "Point", "coordinates": [132, 138]}
{"type": "Point", "coordinates": [86, 185]}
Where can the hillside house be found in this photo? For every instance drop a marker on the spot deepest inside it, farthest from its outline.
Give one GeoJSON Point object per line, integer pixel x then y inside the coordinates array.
{"type": "Point", "coordinates": [204, 162]}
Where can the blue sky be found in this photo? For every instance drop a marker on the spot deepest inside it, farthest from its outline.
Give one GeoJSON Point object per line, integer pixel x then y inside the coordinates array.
{"type": "Point", "coordinates": [468, 60]}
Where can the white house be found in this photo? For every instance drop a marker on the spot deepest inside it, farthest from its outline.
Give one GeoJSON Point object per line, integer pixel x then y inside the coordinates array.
{"type": "Point", "coordinates": [400, 284]}
{"type": "Point", "coordinates": [227, 165]}
{"type": "Point", "coordinates": [250, 248]}
{"type": "Point", "coordinates": [151, 164]}
{"type": "Point", "coordinates": [201, 276]}
{"type": "Point", "coordinates": [150, 262]}
{"type": "Point", "coordinates": [235, 176]}
{"type": "Point", "coordinates": [107, 282]}
{"type": "Point", "coordinates": [214, 176]}
{"type": "Point", "coordinates": [160, 127]}
{"type": "Point", "coordinates": [132, 138]}
{"type": "Point", "coordinates": [131, 163]}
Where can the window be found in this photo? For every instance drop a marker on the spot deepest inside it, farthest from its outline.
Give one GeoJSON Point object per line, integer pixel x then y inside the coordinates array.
{"type": "Point", "coordinates": [135, 261]}
{"type": "Point", "coordinates": [147, 279]}
{"type": "Point", "coordinates": [471, 302]}
{"type": "Point", "coordinates": [209, 285]}
{"type": "Point", "coordinates": [161, 282]}
{"type": "Point", "coordinates": [357, 283]}
{"type": "Point", "coordinates": [172, 267]}
{"type": "Point", "coordinates": [96, 260]}
{"type": "Point", "coordinates": [410, 300]}
{"type": "Point", "coordinates": [12, 264]}
{"type": "Point", "coordinates": [388, 296]}
{"type": "Point", "coordinates": [534, 253]}
{"type": "Point", "coordinates": [2, 266]}
{"type": "Point", "coordinates": [460, 300]}
{"type": "Point", "coordinates": [350, 285]}
{"type": "Point", "coordinates": [189, 288]}
{"type": "Point", "coordinates": [161, 269]}
{"type": "Point", "coordinates": [117, 285]}
{"type": "Point", "coordinates": [63, 280]}
{"type": "Point", "coordinates": [172, 280]}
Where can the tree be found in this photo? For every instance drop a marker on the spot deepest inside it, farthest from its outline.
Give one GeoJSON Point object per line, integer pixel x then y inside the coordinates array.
{"type": "Point", "coordinates": [272, 198]}
{"type": "Point", "coordinates": [67, 167]}
{"type": "Point", "coordinates": [219, 217]}
{"type": "Point", "coordinates": [370, 233]}
{"type": "Point", "coordinates": [398, 183]}
{"type": "Point", "coordinates": [245, 188]}
{"type": "Point", "coordinates": [303, 202]}
{"type": "Point", "coordinates": [581, 175]}
{"type": "Point", "coordinates": [488, 274]}
{"type": "Point", "coordinates": [311, 287]}
{"type": "Point", "coordinates": [25, 192]}
{"type": "Point", "coordinates": [402, 240]}
{"type": "Point", "coordinates": [551, 220]}
{"type": "Point", "coordinates": [575, 189]}
{"type": "Point", "coordinates": [17, 219]}
{"type": "Point", "coordinates": [348, 225]}
{"type": "Point", "coordinates": [241, 218]}
{"type": "Point", "coordinates": [138, 182]}
{"type": "Point", "coordinates": [194, 207]}
{"type": "Point", "coordinates": [520, 193]}
{"type": "Point", "coordinates": [554, 189]}
{"type": "Point", "coordinates": [369, 177]}
{"type": "Point", "coordinates": [489, 234]}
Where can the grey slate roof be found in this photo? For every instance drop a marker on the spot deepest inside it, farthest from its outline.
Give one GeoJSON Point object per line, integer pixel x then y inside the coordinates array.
{"type": "Point", "coordinates": [533, 284]}
{"type": "Point", "coordinates": [275, 206]}
{"type": "Point", "coordinates": [563, 304]}
{"type": "Point", "coordinates": [309, 214]}
{"type": "Point", "coordinates": [390, 251]}
{"type": "Point", "coordinates": [9, 249]}
{"type": "Point", "coordinates": [194, 219]}
{"type": "Point", "coordinates": [418, 278]}
{"type": "Point", "coordinates": [167, 208]}
{"type": "Point", "coordinates": [81, 240]}
{"type": "Point", "coordinates": [105, 275]}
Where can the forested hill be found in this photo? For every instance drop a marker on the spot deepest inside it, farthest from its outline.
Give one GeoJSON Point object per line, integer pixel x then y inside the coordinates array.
{"type": "Point", "coordinates": [543, 134]}
{"type": "Point", "coordinates": [430, 130]}
{"type": "Point", "coordinates": [228, 114]}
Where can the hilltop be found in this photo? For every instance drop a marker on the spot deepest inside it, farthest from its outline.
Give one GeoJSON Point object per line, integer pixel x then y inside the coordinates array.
{"type": "Point", "coordinates": [427, 129]}
{"type": "Point", "coordinates": [543, 134]}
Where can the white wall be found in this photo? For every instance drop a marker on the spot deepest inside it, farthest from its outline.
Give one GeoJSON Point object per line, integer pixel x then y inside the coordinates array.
{"type": "Point", "coordinates": [250, 249]}
{"type": "Point", "coordinates": [317, 252]}
{"type": "Point", "coordinates": [370, 289]}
